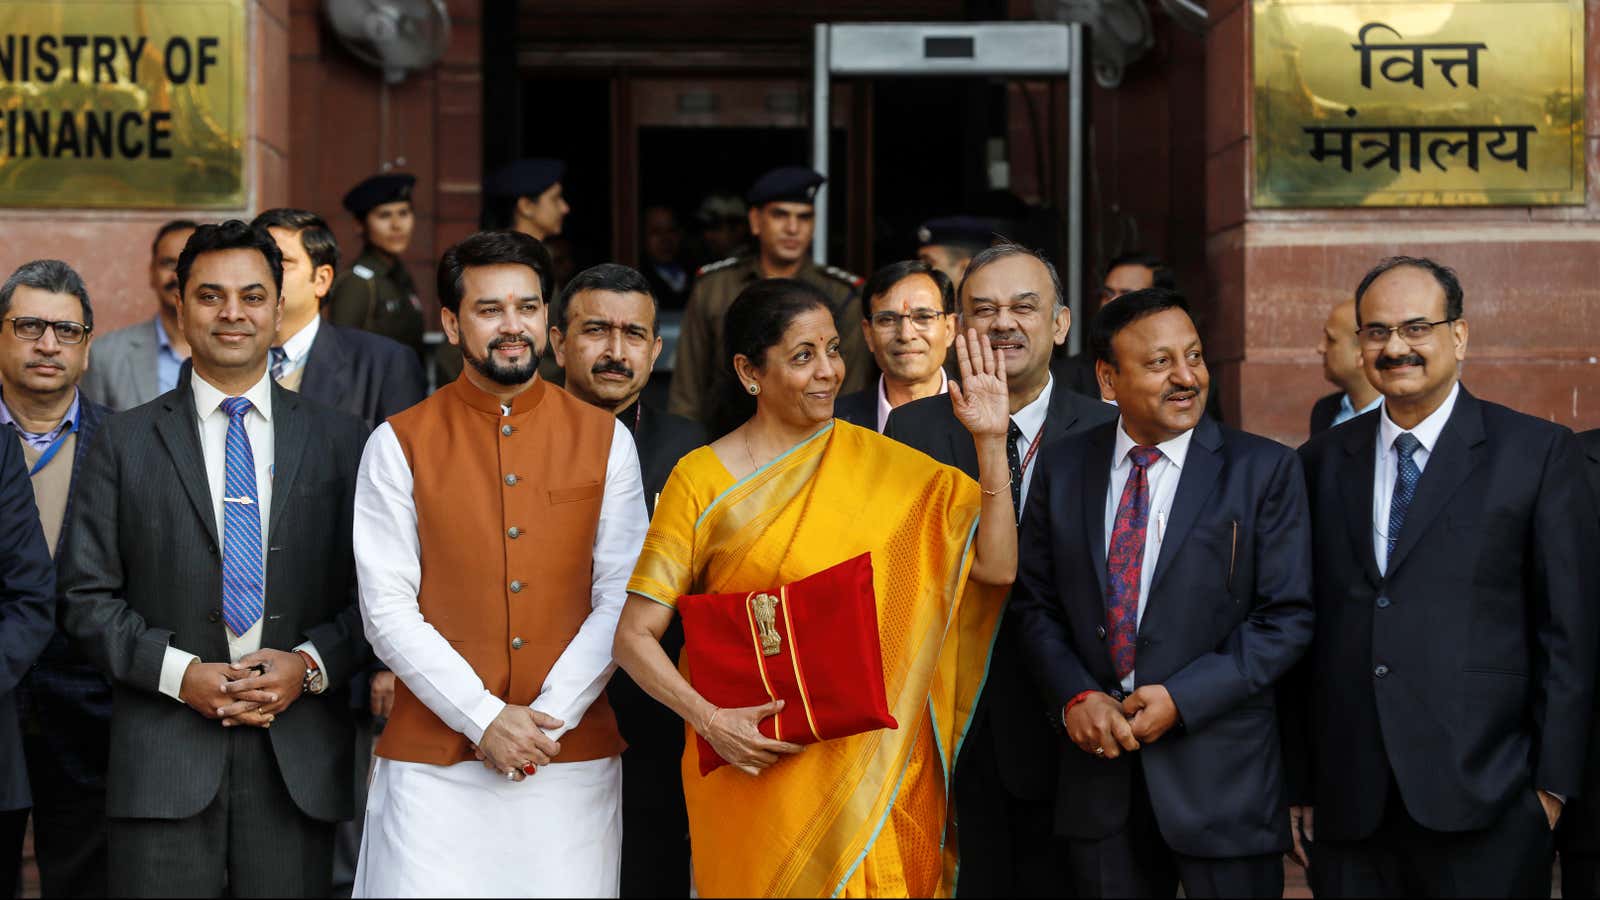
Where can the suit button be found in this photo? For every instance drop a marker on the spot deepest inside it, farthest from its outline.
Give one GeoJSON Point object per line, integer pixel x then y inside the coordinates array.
{"type": "Point", "coordinates": [516, 643]}
{"type": "Point", "coordinates": [513, 532]}
{"type": "Point", "coordinates": [516, 587]}
{"type": "Point", "coordinates": [1383, 602]}
{"type": "Point", "coordinates": [506, 430]}
{"type": "Point", "coordinates": [1381, 670]}
{"type": "Point", "coordinates": [214, 615]}
{"type": "Point", "coordinates": [511, 479]}
{"type": "Point", "coordinates": [1100, 632]}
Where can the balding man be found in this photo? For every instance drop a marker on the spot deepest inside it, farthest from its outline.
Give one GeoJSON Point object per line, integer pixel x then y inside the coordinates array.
{"type": "Point", "coordinates": [1341, 365]}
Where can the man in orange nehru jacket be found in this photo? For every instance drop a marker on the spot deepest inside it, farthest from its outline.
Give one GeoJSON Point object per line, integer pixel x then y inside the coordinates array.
{"type": "Point", "coordinates": [499, 771]}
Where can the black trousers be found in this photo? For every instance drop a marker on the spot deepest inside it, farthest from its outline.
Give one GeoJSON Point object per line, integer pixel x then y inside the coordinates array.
{"type": "Point", "coordinates": [1511, 858]}
{"type": "Point", "coordinates": [69, 827]}
{"type": "Point", "coordinates": [251, 841]}
{"type": "Point", "coordinates": [1008, 844]}
{"type": "Point", "coordinates": [655, 824]}
{"type": "Point", "coordinates": [13, 828]}
{"type": "Point", "coordinates": [1580, 876]}
{"type": "Point", "coordinates": [347, 835]}
{"type": "Point", "coordinates": [1136, 862]}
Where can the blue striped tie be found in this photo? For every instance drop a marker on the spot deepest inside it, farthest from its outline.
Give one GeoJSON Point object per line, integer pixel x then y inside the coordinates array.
{"type": "Point", "coordinates": [1406, 476]}
{"type": "Point", "coordinates": [243, 575]}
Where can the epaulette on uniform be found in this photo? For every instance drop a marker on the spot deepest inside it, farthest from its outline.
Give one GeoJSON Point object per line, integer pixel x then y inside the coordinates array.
{"type": "Point", "coordinates": [361, 271]}
{"type": "Point", "coordinates": [717, 266]}
{"type": "Point", "coordinates": [850, 278]}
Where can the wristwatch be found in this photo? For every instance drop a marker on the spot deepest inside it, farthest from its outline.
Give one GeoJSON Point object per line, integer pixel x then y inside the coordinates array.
{"type": "Point", "coordinates": [311, 683]}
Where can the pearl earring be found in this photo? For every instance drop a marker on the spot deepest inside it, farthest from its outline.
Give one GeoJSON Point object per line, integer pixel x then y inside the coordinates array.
{"type": "Point", "coordinates": [754, 389]}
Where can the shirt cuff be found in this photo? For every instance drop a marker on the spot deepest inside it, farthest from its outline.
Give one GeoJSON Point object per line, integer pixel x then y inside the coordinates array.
{"type": "Point", "coordinates": [482, 716]}
{"type": "Point", "coordinates": [173, 665]}
{"type": "Point", "coordinates": [311, 650]}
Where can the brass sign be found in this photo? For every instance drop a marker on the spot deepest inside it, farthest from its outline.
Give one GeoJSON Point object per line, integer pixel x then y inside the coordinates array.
{"type": "Point", "coordinates": [1419, 104]}
{"type": "Point", "coordinates": [123, 103]}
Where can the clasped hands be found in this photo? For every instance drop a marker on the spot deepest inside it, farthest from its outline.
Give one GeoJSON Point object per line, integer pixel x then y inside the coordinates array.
{"type": "Point", "coordinates": [252, 691]}
{"type": "Point", "coordinates": [515, 743]}
{"type": "Point", "coordinates": [1102, 727]}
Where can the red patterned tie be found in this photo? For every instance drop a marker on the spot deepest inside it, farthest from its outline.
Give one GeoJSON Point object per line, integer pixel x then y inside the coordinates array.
{"type": "Point", "coordinates": [1125, 560]}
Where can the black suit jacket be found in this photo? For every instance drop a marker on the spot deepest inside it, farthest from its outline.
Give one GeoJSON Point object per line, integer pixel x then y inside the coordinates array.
{"type": "Point", "coordinates": [1323, 411]}
{"type": "Point", "coordinates": [146, 572]}
{"type": "Point", "coordinates": [1579, 829]}
{"type": "Point", "coordinates": [649, 727]}
{"type": "Point", "coordinates": [860, 408]}
{"type": "Point", "coordinates": [27, 604]}
{"type": "Point", "coordinates": [1229, 613]}
{"type": "Point", "coordinates": [1011, 708]}
{"type": "Point", "coordinates": [367, 375]}
{"type": "Point", "coordinates": [66, 695]}
{"type": "Point", "coordinates": [1468, 668]}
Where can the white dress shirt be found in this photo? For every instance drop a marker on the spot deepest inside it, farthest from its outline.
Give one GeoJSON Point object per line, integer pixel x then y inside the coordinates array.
{"type": "Point", "coordinates": [389, 568]}
{"type": "Point", "coordinates": [213, 423]}
{"type": "Point", "coordinates": [1388, 463]}
{"type": "Point", "coordinates": [298, 348]}
{"type": "Point", "coordinates": [1162, 476]}
{"type": "Point", "coordinates": [883, 398]}
{"type": "Point", "coordinates": [1030, 421]}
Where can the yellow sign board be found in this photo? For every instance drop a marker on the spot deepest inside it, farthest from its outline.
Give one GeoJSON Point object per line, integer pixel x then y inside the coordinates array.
{"type": "Point", "coordinates": [1418, 104]}
{"type": "Point", "coordinates": [123, 103]}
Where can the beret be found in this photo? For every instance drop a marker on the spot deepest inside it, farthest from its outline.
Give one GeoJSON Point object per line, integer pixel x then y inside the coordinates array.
{"type": "Point", "coordinates": [378, 190]}
{"type": "Point", "coordinates": [785, 184]}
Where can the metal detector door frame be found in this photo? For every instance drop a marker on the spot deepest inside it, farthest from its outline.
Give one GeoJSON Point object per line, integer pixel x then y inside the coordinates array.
{"type": "Point", "coordinates": [975, 49]}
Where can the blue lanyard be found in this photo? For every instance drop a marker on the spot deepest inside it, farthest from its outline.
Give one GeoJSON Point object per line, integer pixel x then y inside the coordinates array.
{"type": "Point", "coordinates": [55, 446]}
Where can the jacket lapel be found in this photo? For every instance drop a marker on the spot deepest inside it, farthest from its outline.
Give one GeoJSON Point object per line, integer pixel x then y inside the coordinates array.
{"type": "Point", "coordinates": [327, 375]}
{"type": "Point", "coordinates": [179, 430]}
{"type": "Point", "coordinates": [288, 449]}
{"type": "Point", "coordinates": [1356, 476]}
{"type": "Point", "coordinates": [1197, 481]}
{"type": "Point", "coordinates": [1061, 415]}
{"type": "Point", "coordinates": [1096, 481]}
{"type": "Point", "coordinates": [143, 361]}
{"type": "Point", "coordinates": [1453, 458]}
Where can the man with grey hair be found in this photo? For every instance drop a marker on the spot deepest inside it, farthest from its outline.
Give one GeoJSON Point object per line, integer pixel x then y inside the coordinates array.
{"type": "Point", "coordinates": [63, 705]}
{"type": "Point", "coordinates": [1005, 779]}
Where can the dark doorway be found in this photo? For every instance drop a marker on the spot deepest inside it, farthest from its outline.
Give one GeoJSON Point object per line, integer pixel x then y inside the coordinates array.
{"type": "Point", "coordinates": [570, 119]}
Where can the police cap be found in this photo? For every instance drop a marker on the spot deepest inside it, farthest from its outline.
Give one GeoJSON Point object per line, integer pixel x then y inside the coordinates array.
{"type": "Point", "coordinates": [378, 190]}
{"type": "Point", "coordinates": [526, 177]}
{"type": "Point", "coordinates": [958, 231]}
{"type": "Point", "coordinates": [785, 184]}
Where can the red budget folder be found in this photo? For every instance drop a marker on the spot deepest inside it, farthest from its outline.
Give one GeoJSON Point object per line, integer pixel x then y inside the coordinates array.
{"type": "Point", "coordinates": [812, 643]}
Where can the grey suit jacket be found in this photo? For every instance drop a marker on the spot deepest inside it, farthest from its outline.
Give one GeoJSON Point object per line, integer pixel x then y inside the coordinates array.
{"type": "Point", "coordinates": [146, 572]}
{"type": "Point", "coordinates": [122, 367]}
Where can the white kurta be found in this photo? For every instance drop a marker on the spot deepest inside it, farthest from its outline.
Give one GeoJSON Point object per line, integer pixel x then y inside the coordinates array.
{"type": "Point", "coordinates": [463, 830]}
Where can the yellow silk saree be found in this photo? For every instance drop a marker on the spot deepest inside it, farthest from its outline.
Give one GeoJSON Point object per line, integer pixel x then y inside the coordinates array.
{"type": "Point", "coordinates": [868, 815]}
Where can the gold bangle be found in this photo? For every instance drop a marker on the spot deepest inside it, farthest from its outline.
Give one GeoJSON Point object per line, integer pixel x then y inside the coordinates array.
{"type": "Point", "coordinates": [996, 491]}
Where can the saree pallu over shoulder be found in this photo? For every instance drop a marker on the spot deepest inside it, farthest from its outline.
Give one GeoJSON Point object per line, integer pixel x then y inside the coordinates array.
{"type": "Point", "coordinates": [866, 814]}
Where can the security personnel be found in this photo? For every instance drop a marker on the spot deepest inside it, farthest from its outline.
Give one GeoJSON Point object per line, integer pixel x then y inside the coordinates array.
{"type": "Point", "coordinates": [376, 294]}
{"type": "Point", "coordinates": [782, 220]}
{"type": "Point", "coordinates": [949, 243]}
{"type": "Point", "coordinates": [527, 196]}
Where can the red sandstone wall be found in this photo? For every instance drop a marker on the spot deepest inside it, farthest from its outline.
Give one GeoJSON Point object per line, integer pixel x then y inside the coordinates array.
{"type": "Point", "coordinates": [345, 124]}
{"type": "Point", "coordinates": [1530, 275]}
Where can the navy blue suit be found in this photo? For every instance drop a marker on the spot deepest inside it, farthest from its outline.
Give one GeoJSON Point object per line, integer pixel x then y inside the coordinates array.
{"type": "Point", "coordinates": [65, 705]}
{"type": "Point", "coordinates": [1441, 693]}
{"type": "Point", "coordinates": [1578, 835]}
{"type": "Point", "coordinates": [859, 408]}
{"type": "Point", "coordinates": [27, 618]}
{"type": "Point", "coordinates": [1228, 613]}
{"type": "Point", "coordinates": [367, 375]}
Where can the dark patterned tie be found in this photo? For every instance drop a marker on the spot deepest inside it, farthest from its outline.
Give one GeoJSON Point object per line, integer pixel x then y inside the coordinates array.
{"type": "Point", "coordinates": [1125, 560]}
{"type": "Point", "coordinates": [1406, 476]}
{"type": "Point", "coordinates": [279, 362]}
{"type": "Point", "coordinates": [1014, 460]}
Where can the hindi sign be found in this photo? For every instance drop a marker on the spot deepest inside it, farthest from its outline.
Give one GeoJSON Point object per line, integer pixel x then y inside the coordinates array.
{"type": "Point", "coordinates": [122, 103]}
{"type": "Point", "coordinates": [1419, 104]}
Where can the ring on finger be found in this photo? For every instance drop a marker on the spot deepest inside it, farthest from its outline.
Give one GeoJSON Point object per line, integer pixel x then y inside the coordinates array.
{"type": "Point", "coordinates": [529, 768]}
{"type": "Point", "coordinates": [1099, 751]}
{"type": "Point", "coordinates": [511, 774]}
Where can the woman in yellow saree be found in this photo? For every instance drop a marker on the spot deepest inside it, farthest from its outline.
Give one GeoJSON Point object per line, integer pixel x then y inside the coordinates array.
{"type": "Point", "coordinates": [789, 493]}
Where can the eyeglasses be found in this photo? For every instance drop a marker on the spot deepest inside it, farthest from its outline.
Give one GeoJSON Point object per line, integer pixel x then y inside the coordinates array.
{"type": "Point", "coordinates": [29, 328]}
{"type": "Point", "coordinates": [1413, 333]}
{"type": "Point", "coordinates": [921, 319]}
